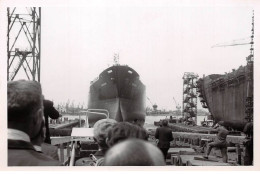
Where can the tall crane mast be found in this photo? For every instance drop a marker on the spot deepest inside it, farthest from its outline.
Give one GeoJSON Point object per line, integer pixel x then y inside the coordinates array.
{"type": "Point", "coordinates": [250, 61]}
{"type": "Point", "coordinates": [24, 43]}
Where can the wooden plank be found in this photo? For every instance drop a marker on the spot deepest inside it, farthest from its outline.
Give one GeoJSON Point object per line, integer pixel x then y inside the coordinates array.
{"type": "Point", "coordinates": [193, 162]}
{"type": "Point", "coordinates": [184, 158]}
{"type": "Point", "coordinates": [188, 153]}
{"type": "Point", "coordinates": [60, 140]}
{"type": "Point", "coordinates": [204, 159]}
{"type": "Point", "coordinates": [177, 150]}
{"type": "Point", "coordinates": [230, 138]}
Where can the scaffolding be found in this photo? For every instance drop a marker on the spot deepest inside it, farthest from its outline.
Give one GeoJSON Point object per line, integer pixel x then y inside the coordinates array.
{"type": "Point", "coordinates": [24, 43]}
{"type": "Point", "coordinates": [189, 104]}
{"type": "Point", "coordinates": [250, 78]}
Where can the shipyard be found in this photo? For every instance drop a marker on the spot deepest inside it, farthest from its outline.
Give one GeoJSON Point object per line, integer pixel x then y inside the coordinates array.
{"type": "Point", "coordinates": [145, 84]}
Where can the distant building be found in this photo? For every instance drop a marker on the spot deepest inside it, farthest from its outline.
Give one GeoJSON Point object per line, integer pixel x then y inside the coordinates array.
{"type": "Point", "coordinates": [61, 109]}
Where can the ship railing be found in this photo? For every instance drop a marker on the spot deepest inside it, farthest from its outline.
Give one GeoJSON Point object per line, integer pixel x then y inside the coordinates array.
{"type": "Point", "coordinates": [68, 147]}
{"type": "Point", "coordinates": [98, 111]}
{"type": "Point", "coordinates": [95, 111]}
{"type": "Point", "coordinates": [72, 158]}
{"type": "Point", "coordinates": [69, 158]}
{"type": "Point", "coordinates": [64, 148]}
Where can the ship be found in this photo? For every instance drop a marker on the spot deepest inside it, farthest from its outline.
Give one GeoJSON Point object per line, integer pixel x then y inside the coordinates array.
{"type": "Point", "coordinates": [117, 93]}
{"type": "Point", "coordinates": [226, 96]}
{"type": "Point", "coordinates": [229, 96]}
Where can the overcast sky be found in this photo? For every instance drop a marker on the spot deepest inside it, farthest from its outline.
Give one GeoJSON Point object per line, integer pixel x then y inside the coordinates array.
{"type": "Point", "coordinates": [159, 39]}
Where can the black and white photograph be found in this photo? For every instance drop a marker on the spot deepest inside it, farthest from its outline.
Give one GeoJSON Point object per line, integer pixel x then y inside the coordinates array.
{"type": "Point", "coordinates": [98, 83]}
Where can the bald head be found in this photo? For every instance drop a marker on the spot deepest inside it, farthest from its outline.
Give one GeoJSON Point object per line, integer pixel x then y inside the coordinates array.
{"type": "Point", "coordinates": [134, 152]}
{"type": "Point", "coordinates": [25, 106]}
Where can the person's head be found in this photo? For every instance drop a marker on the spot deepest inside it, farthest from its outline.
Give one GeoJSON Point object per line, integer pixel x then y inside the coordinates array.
{"type": "Point", "coordinates": [101, 129]}
{"type": "Point", "coordinates": [123, 130]}
{"type": "Point", "coordinates": [219, 124]}
{"type": "Point", "coordinates": [49, 110]}
{"type": "Point", "coordinates": [25, 107]}
{"type": "Point", "coordinates": [134, 152]}
{"type": "Point", "coordinates": [164, 123]}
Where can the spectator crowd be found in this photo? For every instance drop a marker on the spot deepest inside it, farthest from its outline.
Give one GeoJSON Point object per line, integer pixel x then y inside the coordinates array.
{"type": "Point", "coordinates": [119, 143]}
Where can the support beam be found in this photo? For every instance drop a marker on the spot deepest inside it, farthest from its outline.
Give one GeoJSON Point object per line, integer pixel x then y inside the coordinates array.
{"type": "Point", "coordinates": [23, 43]}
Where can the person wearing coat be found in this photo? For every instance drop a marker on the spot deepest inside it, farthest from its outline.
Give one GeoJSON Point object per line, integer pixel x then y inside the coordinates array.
{"type": "Point", "coordinates": [164, 136]}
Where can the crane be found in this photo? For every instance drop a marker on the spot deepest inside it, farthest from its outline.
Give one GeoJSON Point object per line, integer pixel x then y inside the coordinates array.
{"type": "Point", "coordinates": [250, 60]}
{"type": "Point", "coordinates": [244, 41]}
{"type": "Point", "coordinates": [178, 107]}
{"type": "Point", "coordinates": [154, 105]}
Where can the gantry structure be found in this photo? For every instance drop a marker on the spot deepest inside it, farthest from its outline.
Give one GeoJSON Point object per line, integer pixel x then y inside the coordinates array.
{"type": "Point", "coordinates": [189, 104]}
{"type": "Point", "coordinates": [24, 43]}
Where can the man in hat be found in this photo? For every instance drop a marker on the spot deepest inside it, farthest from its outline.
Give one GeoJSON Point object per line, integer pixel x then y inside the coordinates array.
{"type": "Point", "coordinates": [25, 123]}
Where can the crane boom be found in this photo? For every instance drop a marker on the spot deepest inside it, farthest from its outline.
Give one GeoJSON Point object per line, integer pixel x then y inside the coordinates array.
{"type": "Point", "coordinates": [244, 41]}
{"type": "Point", "coordinates": [219, 45]}
{"type": "Point", "coordinates": [174, 101]}
{"type": "Point", "coordinates": [177, 105]}
{"type": "Point", "coordinates": [149, 101]}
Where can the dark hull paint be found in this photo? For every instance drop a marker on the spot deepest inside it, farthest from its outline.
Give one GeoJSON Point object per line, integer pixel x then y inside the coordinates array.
{"type": "Point", "coordinates": [225, 95]}
{"type": "Point", "coordinates": [118, 90]}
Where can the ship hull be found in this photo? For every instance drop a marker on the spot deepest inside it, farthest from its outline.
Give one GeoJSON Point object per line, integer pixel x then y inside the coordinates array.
{"type": "Point", "coordinates": [119, 91]}
{"type": "Point", "coordinates": [225, 95]}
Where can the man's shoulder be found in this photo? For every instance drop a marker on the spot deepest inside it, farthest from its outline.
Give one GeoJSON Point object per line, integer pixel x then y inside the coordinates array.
{"type": "Point", "coordinates": [46, 159]}
{"type": "Point", "coordinates": [222, 130]}
{"type": "Point", "coordinates": [50, 150]}
{"type": "Point", "coordinates": [49, 147]}
{"type": "Point", "coordinates": [22, 153]}
{"type": "Point", "coordinates": [28, 157]}
{"type": "Point", "coordinates": [165, 129]}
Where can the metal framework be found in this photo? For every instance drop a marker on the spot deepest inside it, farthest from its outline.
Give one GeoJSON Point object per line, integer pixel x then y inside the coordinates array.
{"type": "Point", "coordinates": [24, 43]}
{"type": "Point", "coordinates": [250, 75]}
{"type": "Point", "coordinates": [189, 104]}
